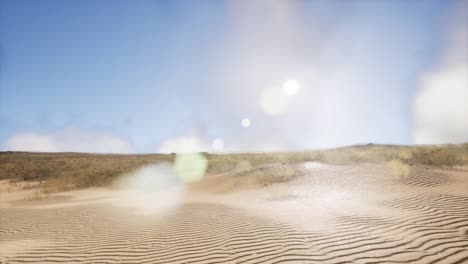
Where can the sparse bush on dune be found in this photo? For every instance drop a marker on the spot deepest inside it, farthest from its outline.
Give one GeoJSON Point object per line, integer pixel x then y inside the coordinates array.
{"type": "Point", "coordinates": [243, 165]}
{"type": "Point", "coordinates": [398, 168]}
{"type": "Point", "coordinates": [405, 154]}
{"type": "Point", "coordinates": [57, 185]}
{"type": "Point", "coordinates": [269, 176]}
{"type": "Point", "coordinates": [234, 162]}
{"type": "Point", "coordinates": [36, 195]}
{"type": "Point", "coordinates": [346, 156]}
{"type": "Point", "coordinates": [440, 156]}
{"type": "Point", "coordinates": [64, 171]}
{"type": "Point", "coordinates": [447, 155]}
{"type": "Point", "coordinates": [221, 163]}
{"type": "Point", "coordinates": [265, 175]}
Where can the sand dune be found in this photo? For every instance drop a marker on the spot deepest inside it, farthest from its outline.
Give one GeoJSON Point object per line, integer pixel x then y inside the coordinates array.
{"type": "Point", "coordinates": [327, 214]}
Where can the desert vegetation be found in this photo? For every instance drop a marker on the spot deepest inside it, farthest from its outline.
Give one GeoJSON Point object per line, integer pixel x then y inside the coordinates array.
{"type": "Point", "coordinates": [65, 171]}
{"type": "Point", "coordinates": [430, 155]}
{"type": "Point", "coordinates": [398, 168]}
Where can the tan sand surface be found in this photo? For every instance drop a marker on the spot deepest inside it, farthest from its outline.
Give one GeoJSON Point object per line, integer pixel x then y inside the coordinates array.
{"type": "Point", "coordinates": [327, 214]}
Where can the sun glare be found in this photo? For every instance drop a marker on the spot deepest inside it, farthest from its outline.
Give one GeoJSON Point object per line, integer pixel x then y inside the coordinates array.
{"type": "Point", "coordinates": [291, 87]}
{"type": "Point", "coordinates": [245, 123]}
{"type": "Point", "coordinates": [273, 102]}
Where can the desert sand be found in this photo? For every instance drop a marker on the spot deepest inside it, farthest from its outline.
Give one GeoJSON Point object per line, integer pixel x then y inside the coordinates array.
{"type": "Point", "coordinates": [360, 213]}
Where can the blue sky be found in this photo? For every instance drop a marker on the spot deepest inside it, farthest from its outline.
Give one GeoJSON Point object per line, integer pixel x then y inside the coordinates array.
{"type": "Point", "coordinates": [150, 74]}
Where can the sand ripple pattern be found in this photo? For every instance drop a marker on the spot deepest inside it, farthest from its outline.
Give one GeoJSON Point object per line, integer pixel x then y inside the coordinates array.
{"type": "Point", "coordinates": [421, 177]}
{"type": "Point", "coordinates": [409, 224]}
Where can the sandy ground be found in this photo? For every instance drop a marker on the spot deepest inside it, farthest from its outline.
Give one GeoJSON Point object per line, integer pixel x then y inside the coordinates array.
{"type": "Point", "coordinates": [328, 214]}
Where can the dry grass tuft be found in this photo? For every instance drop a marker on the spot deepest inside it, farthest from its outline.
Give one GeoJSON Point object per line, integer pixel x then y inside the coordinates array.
{"type": "Point", "coordinates": [269, 175]}
{"type": "Point", "coordinates": [37, 194]}
{"type": "Point", "coordinates": [398, 168]}
{"type": "Point", "coordinates": [441, 156]}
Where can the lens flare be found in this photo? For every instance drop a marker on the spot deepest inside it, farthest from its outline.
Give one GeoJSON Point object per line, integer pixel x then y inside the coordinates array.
{"type": "Point", "coordinates": [190, 167]}
{"type": "Point", "coordinates": [291, 87]}
{"type": "Point", "coordinates": [217, 145]}
{"type": "Point", "coordinates": [245, 123]}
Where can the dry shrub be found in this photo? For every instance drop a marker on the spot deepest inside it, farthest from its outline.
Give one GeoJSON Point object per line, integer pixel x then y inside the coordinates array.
{"type": "Point", "coordinates": [405, 154]}
{"type": "Point", "coordinates": [56, 185]}
{"type": "Point", "coordinates": [37, 194]}
{"type": "Point", "coordinates": [63, 171]}
{"type": "Point", "coordinates": [275, 174]}
{"type": "Point", "coordinates": [338, 157]}
{"type": "Point", "coordinates": [437, 156]}
{"type": "Point", "coordinates": [398, 168]}
{"type": "Point", "coordinates": [221, 163]}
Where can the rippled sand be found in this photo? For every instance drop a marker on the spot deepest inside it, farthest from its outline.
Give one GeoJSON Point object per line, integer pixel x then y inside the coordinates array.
{"type": "Point", "coordinates": [330, 214]}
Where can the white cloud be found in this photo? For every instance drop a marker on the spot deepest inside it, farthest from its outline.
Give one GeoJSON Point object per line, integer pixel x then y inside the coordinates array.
{"type": "Point", "coordinates": [68, 140]}
{"type": "Point", "coordinates": [184, 144]}
{"type": "Point", "coordinates": [441, 108]}
{"type": "Point", "coordinates": [441, 105]}
{"type": "Point", "coordinates": [31, 142]}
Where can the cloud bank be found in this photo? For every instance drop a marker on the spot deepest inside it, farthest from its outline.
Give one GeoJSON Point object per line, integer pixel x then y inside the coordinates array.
{"type": "Point", "coordinates": [441, 104]}
{"type": "Point", "coordinates": [68, 140]}
{"type": "Point", "coordinates": [184, 144]}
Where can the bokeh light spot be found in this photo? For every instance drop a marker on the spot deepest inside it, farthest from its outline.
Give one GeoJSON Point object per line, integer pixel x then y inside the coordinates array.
{"type": "Point", "coordinates": [245, 123]}
{"type": "Point", "coordinates": [217, 144]}
{"type": "Point", "coordinates": [291, 87]}
{"type": "Point", "coordinates": [190, 167]}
